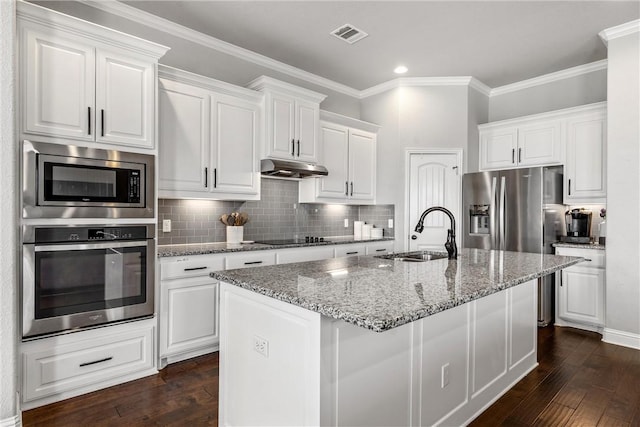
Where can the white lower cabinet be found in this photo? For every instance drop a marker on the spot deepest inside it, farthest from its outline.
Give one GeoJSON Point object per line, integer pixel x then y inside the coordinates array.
{"type": "Point", "coordinates": [61, 367]}
{"type": "Point", "coordinates": [350, 250]}
{"type": "Point", "coordinates": [581, 292]}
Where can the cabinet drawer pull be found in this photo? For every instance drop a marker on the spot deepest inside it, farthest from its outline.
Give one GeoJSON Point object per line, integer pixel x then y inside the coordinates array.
{"type": "Point", "coordinates": [293, 147]}
{"type": "Point", "coordinates": [352, 253]}
{"type": "Point", "coordinates": [106, 359]}
{"type": "Point", "coordinates": [380, 250]}
{"type": "Point", "coordinates": [252, 262]}
{"type": "Point", "coordinates": [102, 122]}
{"type": "Point", "coordinates": [195, 268]}
{"type": "Point", "coordinates": [89, 120]}
{"type": "Point", "coordinates": [588, 259]}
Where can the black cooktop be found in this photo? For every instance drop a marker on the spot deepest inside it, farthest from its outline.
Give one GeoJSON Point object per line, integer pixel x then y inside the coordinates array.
{"type": "Point", "coordinates": [280, 242]}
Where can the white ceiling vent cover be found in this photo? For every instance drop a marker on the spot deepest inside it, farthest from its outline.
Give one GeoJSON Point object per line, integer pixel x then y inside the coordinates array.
{"type": "Point", "coordinates": [349, 33]}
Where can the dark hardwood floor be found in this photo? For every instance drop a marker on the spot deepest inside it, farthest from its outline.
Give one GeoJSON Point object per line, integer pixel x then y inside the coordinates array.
{"type": "Point", "coordinates": [580, 381]}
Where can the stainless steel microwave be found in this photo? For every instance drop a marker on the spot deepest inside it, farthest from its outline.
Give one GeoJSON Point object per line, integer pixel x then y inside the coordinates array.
{"type": "Point", "coordinates": [65, 181]}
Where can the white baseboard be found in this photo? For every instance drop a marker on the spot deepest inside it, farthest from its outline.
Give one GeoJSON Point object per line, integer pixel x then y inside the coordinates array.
{"type": "Point", "coordinates": [625, 339]}
{"type": "Point", "coordinates": [15, 421]}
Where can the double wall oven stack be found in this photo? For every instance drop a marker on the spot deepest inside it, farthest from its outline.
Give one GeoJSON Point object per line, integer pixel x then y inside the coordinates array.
{"type": "Point", "coordinates": [81, 265]}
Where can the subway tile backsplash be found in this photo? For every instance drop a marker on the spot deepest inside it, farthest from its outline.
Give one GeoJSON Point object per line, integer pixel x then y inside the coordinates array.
{"type": "Point", "coordinates": [277, 215]}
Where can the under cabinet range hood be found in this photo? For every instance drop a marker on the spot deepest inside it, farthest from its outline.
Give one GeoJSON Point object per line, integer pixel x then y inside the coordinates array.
{"type": "Point", "coordinates": [291, 169]}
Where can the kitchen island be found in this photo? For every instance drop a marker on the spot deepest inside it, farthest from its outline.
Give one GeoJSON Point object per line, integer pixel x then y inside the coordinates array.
{"type": "Point", "coordinates": [377, 341]}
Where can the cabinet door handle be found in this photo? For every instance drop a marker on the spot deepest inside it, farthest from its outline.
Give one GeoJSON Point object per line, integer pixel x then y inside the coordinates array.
{"type": "Point", "coordinates": [513, 155]}
{"type": "Point", "coordinates": [106, 359]}
{"type": "Point", "coordinates": [206, 177]}
{"type": "Point", "coordinates": [352, 253]}
{"type": "Point", "coordinates": [195, 268]}
{"type": "Point", "coordinates": [519, 155]}
{"type": "Point", "coordinates": [89, 120]}
{"type": "Point", "coordinates": [252, 262]}
{"type": "Point", "coordinates": [588, 259]}
{"type": "Point", "coordinates": [352, 188]}
{"type": "Point", "coordinates": [215, 177]}
{"type": "Point", "coordinates": [102, 122]}
{"type": "Point", "coordinates": [298, 148]}
{"type": "Point", "coordinates": [569, 186]}
{"type": "Point", "coordinates": [346, 188]}
{"type": "Point", "coordinates": [293, 147]}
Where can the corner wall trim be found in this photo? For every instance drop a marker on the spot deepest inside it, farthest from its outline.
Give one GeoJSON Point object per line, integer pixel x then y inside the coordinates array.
{"type": "Point", "coordinates": [15, 421]}
{"type": "Point", "coordinates": [551, 77]}
{"type": "Point", "coordinates": [625, 339]}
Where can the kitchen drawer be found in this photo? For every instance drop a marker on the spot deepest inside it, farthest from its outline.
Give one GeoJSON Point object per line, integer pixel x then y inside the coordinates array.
{"type": "Point", "coordinates": [380, 248]}
{"type": "Point", "coordinates": [350, 250]}
{"type": "Point", "coordinates": [593, 257]}
{"type": "Point", "coordinates": [286, 256]}
{"type": "Point", "coordinates": [63, 364]}
{"type": "Point", "coordinates": [190, 266]}
{"type": "Point", "coordinates": [250, 259]}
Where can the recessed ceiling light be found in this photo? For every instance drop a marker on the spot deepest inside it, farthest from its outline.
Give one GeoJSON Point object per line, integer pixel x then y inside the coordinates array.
{"type": "Point", "coordinates": [400, 69]}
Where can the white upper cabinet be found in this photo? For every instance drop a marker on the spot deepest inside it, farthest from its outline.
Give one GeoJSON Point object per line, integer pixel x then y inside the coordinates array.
{"type": "Point", "coordinates": [209, 134]}
{"type": "Point", "coordinates": [84, 82]}
{"type": "Point", "coordinates": [585, 170]}
{"type": "Point", "coordinates": [575, 137]}
{"type": "Point", "coordinates": [522, 143]}
{"type": "Point", "coordinates": [291, 120]}
{"type": "Point", "coordinates": [348, 151]}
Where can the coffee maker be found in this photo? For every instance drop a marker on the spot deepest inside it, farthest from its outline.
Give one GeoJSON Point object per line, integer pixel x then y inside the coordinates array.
{"type": "Point", "coordinates": [578, 223]}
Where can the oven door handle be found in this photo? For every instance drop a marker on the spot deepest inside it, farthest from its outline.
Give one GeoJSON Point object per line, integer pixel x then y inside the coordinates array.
{"type": "Point", "coordinates": [87, 246]}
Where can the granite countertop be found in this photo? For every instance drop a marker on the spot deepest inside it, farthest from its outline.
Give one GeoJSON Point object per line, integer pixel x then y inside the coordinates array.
{"type": "Point", "coordinates": [380, 294]}
{"type": "Point", "coordinates": [223, 247]}
{"type": "Point", "coordinates": [597, 246]}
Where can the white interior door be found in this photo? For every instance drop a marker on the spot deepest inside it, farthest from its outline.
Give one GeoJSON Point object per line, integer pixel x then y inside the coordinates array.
{"type": "Point", "coordinates": [434, 181]}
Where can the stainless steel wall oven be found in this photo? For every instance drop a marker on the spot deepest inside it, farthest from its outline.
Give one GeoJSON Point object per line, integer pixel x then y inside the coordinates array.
{"type": "Point", "coordinates": [81, 276]}
{"type": "Point", "coordinates": [65, 181]}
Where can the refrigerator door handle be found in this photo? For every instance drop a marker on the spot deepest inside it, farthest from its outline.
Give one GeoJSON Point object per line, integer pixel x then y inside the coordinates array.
{"type": "Point", "coordinates": [493, 231]}
{"type": "Point", "coordinates": [503, 201]}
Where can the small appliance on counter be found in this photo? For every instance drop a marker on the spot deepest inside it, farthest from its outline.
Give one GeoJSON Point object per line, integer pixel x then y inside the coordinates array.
{"type": "Point", "coordinates": [578, 226]}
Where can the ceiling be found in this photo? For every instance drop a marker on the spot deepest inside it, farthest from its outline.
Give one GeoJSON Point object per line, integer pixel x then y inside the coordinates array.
{"type": "Point", "coordinates": [497, 42]}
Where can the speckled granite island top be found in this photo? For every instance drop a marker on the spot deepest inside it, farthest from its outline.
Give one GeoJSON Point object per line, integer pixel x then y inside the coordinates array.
{"type": "Point", "coordinates": [223, 247]}
{"type": "Point", "coordinates": [381, 294]}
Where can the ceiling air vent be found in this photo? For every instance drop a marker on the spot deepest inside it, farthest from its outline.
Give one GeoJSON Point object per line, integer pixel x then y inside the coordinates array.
{"type": "Point", "coordinates": [349, 33]}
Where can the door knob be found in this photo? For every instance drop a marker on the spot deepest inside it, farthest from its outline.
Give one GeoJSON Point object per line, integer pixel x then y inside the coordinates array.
{"type": "Point", "coordinates": [414, 237]}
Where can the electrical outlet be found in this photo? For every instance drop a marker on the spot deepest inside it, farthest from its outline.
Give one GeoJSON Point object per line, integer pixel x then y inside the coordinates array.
{"type": "Point", "coordinates": [166, 226]}
{"type": "Point", "coordinates": [261, 345]}
{"type": "Point", "coordinates": [390, 223]}
{"type": "Point", "coordinates": [346, 222]}
{"type": "Point", "coordinates": [445, 375]}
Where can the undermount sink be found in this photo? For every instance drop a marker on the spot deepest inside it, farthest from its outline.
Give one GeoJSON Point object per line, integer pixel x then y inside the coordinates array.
{"type": "Point", "coordinates": [413, 256]}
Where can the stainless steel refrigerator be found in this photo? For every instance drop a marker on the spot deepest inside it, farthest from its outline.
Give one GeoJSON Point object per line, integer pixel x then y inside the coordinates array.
{"type": "Point", "coordinates": [516, 210]}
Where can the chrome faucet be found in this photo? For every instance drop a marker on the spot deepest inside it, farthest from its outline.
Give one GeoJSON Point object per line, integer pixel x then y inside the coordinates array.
{"type": "Point", "coordinates": [450, 244]}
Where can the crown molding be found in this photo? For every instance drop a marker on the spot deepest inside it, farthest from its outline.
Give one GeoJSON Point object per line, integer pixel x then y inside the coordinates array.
{"type": "Point", "coordinates": [424, 81]}
{"type": "Point", "coordinates": [619, 31]}
{"type": "Point", "coordinates": [551, 77]}
{"type": "Point", "coordinates": [596, 107]}
{"type": "Point", "coordinates": [131, 13]}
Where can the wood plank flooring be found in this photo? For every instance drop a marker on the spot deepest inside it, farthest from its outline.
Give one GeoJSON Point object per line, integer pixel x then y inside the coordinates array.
{"type": "Point", "coordinates": [580, 381]}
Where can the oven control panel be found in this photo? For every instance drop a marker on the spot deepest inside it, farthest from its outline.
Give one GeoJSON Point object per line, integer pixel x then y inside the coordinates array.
{"type": "Point", "coordinates": [91, 233]}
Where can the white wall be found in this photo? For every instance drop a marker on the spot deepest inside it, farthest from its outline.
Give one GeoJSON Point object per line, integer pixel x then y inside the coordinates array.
{"type": "Point", "coordinates": [413, 117]}
{"type": "Point", "coordinates": [8, 254]}
{"type": "Point", "coordinates": [478, 114]}
{"type": "Point", "coordinates": [199, 59]}
{"type": "Point", "coordinates": [623, 184]}
{"type": "Point", "coordinates": [570, 92]}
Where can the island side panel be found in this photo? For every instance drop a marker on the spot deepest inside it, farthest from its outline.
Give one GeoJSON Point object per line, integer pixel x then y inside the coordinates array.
{"type": "Point", "coordinates": [269, 361]}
